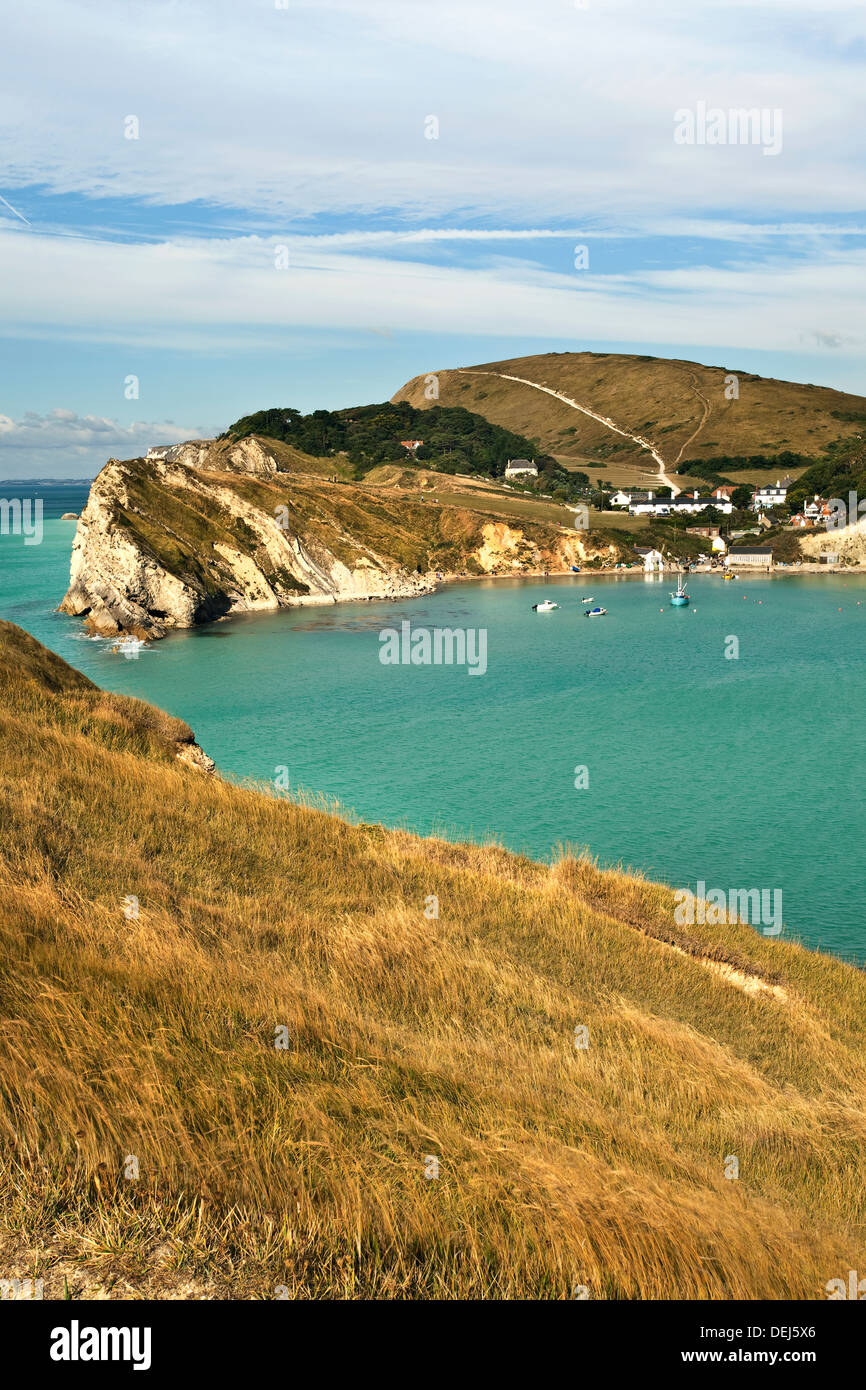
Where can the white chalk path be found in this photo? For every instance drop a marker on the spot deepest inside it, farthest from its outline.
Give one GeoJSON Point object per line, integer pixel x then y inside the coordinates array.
{"type": "Point", "coordinates": [663, 478]}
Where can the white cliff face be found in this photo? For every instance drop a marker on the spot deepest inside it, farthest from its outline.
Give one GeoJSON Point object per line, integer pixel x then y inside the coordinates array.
{"type": "Point", "coordinates": [133, 568]}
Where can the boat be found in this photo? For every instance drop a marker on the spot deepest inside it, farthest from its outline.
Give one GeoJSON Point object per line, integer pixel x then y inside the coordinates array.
{"type": "Point", "coordinates": [595, 612]}
{"type": "Point", "coordinates": [575, 569]}
{"type": "Point", "coordinates": [544, 607]}
{"type": "Point", "coordinates": [680, 598]}
{"type": "Point", "coordinates": [128, 646]}
{"type": "Point", "coordinates": [729, 576]}
{"type": "Point", "coordinates": [591, 599]}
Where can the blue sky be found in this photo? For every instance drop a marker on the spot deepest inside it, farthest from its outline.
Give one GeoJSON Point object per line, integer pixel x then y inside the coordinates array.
{"type": "Point", "coordinates": [257, 126]}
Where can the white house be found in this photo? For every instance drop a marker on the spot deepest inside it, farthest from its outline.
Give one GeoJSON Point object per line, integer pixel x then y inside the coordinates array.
{"type": "Point", "coordinates": [643, 503]}
{"type": "Point", "coordinates": [769, 496]}
{"type": "Point", "coordinates": [521, 468]}
{"type": "Point", "coordinates": [621, 499]}
{"type": "Point", "coordinates": [652, 559]}
{"type": "Point", "coordinates": [750, 557]}
{"type": "Point", "coordinates": [687, 503]}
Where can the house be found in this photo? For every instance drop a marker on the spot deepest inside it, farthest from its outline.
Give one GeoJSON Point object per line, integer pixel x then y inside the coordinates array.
{"type": "Point", "coordinates": [816, 513]}
{"type": "Point", "coordinates": [769, 496]}
{"type": "Point", "coordinates": [722, 494]}
{"type": "Point", "coordinates": [756, 557]}
{"type": "Point", "coordinates": [412, 444]}
{"type": "Point", "coordinates": [708, 531]}
{"type": "Point", "coordinates": [685, 503]}
{"type": "Point", "coordinates": [712, 533]}
{"type": "Point", "coordinates": [652, 559]}
{"type": "Point", "coordinates": [644, 503]}
{"type": "Point", "coordinates": [621, 499]}
{"type": "Point", "coordinates": [521, 468]}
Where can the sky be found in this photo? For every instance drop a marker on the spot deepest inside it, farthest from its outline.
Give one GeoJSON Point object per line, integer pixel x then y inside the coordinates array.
{"type": "Point", "coordinates": [210, 208]}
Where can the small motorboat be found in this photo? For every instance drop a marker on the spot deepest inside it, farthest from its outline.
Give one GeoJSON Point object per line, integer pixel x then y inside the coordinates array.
{"type": "Point", "coordinates": [544, 607]}
{"type": "Point", "coordinates": [591, 599]}
{"type": "Point", "coordinates": [575, 569]}
{"type": "Point", "coordinates": [129, 647]}
{"type": "Point", "coordinates": [595, 613]}
{"type": "Point", "coordinates": [680, 599]}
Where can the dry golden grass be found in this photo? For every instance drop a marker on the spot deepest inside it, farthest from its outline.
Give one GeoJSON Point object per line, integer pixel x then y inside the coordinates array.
{"type": "Point", "coordinates": [681, 406]}
{"type": "Point", "coordinates": [304, 1167]}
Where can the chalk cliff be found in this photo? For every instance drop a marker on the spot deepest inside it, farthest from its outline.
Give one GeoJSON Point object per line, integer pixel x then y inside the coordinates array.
{"type": "Point", "coordinates": [161, 545]}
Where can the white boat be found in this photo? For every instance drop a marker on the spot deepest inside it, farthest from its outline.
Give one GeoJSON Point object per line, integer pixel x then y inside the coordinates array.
{"type": "Point", "coordinates": [544, 607]}
{"type": "Point", "coordinates": [591, 599]}
{"type": "Point", "coordinates": [129, 646]}
{"type": "Point", "coordinates": [595, 613]}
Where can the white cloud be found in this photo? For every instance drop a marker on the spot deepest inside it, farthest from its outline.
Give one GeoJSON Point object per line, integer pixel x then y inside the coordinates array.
{"type": "Point", "coordinates": [320, 108]}
{"type": "Point", "coordinates": [227, 294]}
{"type": "Point", "coordinates": [64, 429]}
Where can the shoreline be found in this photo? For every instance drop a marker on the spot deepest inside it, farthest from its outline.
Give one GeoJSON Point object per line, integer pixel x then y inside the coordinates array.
{"type": "Point", "coordinates": [637, 572]}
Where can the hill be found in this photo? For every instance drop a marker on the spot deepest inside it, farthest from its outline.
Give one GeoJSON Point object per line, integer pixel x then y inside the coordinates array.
{"type": "Point", "coordinates": [678, 408]}
{"type": "Point", "coordinates": [235, 1042]}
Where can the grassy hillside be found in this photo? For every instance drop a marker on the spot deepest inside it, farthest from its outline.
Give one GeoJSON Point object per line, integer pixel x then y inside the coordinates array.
{"type": "Point", "coordinates": [679, 406]}
{"type": "Point", "coordinates": [152, 1036]}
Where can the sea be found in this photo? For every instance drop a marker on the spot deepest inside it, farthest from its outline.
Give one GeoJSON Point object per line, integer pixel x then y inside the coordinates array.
{"type": "Point", "coordinates": [716, 744]}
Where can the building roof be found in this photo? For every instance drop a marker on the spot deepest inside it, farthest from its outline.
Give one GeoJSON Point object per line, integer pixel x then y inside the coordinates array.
{"type": "Point", "coordinates": [751, 550]}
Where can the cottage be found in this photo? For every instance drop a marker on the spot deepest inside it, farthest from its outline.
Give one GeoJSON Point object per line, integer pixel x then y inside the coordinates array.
{"type": "Point", "coordinates": [757, 557]}
{"type": "Point", "coordinates": [652, 559]}
{"type": "Point", "coordinates": [521, 468]}
{"type": "Point", "coordinates": [767, 496]}
{"type": "Point", "coordinates": [412, 444]}
{"type": "Point", "coordinates": [684, 504]}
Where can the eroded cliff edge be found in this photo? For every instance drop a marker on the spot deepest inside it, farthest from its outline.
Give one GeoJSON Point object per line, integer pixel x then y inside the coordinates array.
{"type": "Point", "coordinates": [164, 545]}
{"type": "Point", "coordinates": [182, 540]}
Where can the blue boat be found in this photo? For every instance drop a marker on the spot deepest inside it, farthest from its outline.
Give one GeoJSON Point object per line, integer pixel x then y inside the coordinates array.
{"type": "Point", "coordinates": [680, 598]}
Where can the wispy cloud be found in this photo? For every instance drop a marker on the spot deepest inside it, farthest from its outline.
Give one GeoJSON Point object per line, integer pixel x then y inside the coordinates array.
{"type": "Point", "coordinates": [321, 108]}
{"type": "Point", "coordinates": [230, 293]}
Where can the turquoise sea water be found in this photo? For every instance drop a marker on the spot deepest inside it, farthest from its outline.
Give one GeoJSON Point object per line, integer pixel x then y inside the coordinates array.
{"type": "Point", "coordinates": [744, 773]}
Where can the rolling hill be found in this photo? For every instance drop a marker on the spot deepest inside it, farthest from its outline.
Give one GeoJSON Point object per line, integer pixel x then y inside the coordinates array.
{"type": "Point", "coordinates": [679, 408]}
{"type": "Point", "coordinates": [234, 1042]}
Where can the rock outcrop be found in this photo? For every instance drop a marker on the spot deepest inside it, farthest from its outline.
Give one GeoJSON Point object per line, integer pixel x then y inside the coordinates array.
{"type": "Point", "coordinates": [161, 545]}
